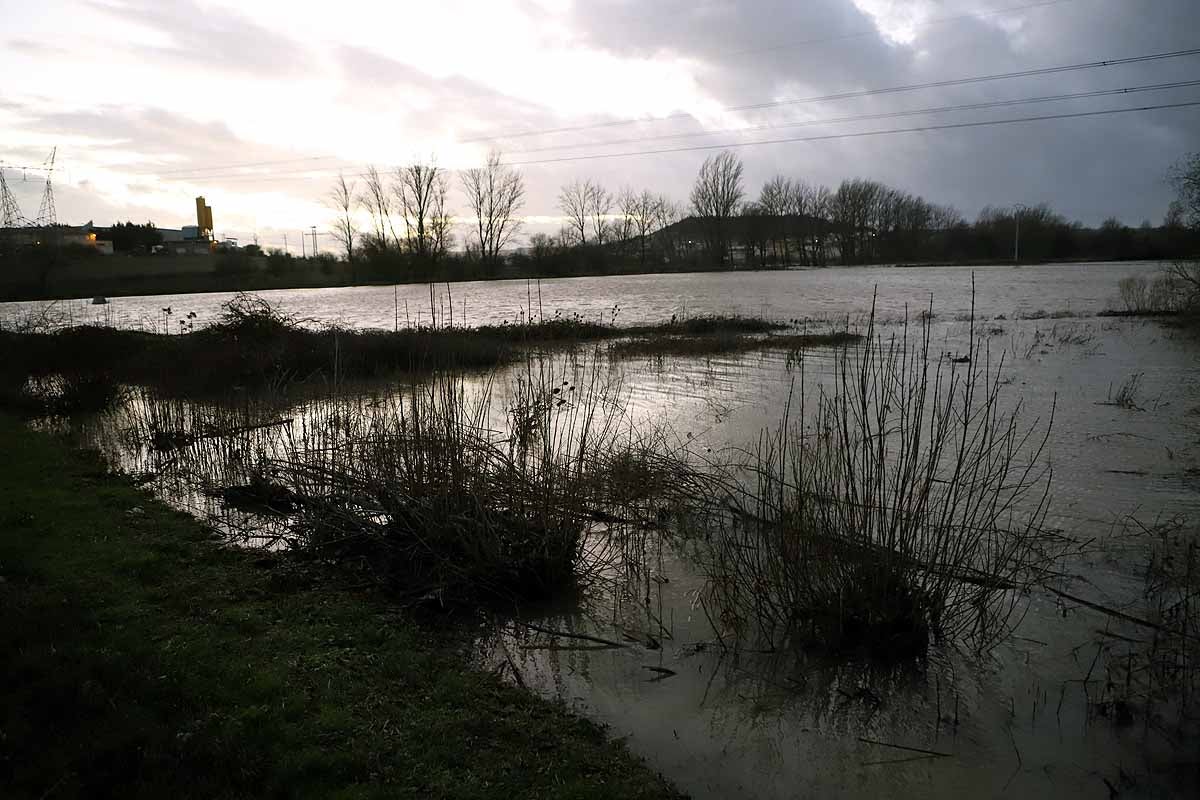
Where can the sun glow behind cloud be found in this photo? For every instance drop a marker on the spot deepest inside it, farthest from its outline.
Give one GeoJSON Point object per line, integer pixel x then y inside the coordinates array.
{"type": "Point", "coordinates": [304, 101]}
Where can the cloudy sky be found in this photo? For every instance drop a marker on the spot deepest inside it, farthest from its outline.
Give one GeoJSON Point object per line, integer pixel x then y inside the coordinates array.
{"type": "Point", "coordinates": [256, 105]}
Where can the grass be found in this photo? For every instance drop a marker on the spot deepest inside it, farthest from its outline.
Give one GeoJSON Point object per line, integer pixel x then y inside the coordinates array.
{"type": "Point", "coordinates": [1127, 393]}
{"type": "Point", "coordinates": [143, 660]}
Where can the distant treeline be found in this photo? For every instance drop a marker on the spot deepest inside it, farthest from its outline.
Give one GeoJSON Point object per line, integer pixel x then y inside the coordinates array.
{"type": "Point", "coordinates": [791, 222]}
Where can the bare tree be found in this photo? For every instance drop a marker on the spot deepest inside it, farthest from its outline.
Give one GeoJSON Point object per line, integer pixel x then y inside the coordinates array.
{"type": "Point", "coordinates": [1185, 177]}
{"type": "Point", "coordinates": [715, 198]}
{"type": "Point", "coordinates": [574, 202]}
{"type": "Point", "coordinates": [666, 213]}
{"type": "Point", "coordinates": [1175, 216]}
{"type": "Point", "coordinates": [852, 214]}
{"type": "Point", "coordinates": [343, 200]}
{"type": "Point", "coordinates": [623, 229]}
{"type": "Point", "coordinates": [377, 201]}
{"type": "Point", "coordinates": [418, 188]}
{"type": "Point", "coordinates": [495, 193]}
{"type": "Point", "coordinates": [774, 202]}
{"type": "Point", "coordinates": [819, 205]}
{"type": "Point", "coordinates": [641, 215]}
{"type": "Point", "coordinates": [599, 204]}
{"type": "Point", "coordinates": [440, 220]}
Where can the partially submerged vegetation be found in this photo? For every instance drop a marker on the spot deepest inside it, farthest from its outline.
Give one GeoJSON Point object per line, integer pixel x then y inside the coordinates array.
{"type": "Point", "coordinates": [254, 345]}
{"type": "Point", "coordinates": [899, 507]}
{"type": "Point", "coordinates": [904, 525]}
{"type": "Point", "coordinates": [447, 495]}
{"type": "Point", "coordinates": [1173, 292]}
{"type": "Point", "coordinates": [898, 519]}
{"type": "Point", "coordinates": [1150, 652]}
{"type": "Point", "coordinates": [723, 343]}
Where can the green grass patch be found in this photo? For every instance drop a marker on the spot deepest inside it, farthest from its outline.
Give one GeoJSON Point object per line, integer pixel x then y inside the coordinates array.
{"type": "Point", "coordinates": [143, 659]}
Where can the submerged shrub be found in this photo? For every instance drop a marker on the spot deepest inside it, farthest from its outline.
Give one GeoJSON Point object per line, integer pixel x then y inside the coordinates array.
{"type": "Point", "coordinates": [443, 493]}
{"type": "Point", "coordinates": [1142, 295]}
{"type": "Point", "coordinates": [1154, 672]}
{"type": "Point", "coordinates": [898, 506]}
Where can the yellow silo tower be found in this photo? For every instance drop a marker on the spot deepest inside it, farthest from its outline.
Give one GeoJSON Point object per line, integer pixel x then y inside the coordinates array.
{"type": "Point", "coordinates": [204, 220]}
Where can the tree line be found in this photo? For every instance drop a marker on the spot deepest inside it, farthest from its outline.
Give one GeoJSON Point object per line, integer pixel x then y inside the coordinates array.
{"type": "Point", "coordinates": [411, 234]}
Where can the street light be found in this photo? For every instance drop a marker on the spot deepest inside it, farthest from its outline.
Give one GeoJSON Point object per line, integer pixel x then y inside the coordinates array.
{"type": "Point", "coordinates": [1018, 209]}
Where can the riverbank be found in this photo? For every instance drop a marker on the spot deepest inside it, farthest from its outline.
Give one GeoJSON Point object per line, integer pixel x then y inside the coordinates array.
{"type": "Point", "coordinates": [144, 659]}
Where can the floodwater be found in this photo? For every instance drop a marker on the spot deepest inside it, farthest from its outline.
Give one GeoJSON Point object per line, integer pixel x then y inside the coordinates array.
{"type": "Point", "coordinates": [1023, 720]}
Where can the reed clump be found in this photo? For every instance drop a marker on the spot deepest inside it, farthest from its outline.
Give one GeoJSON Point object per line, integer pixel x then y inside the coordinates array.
{"type": "Point", "coordinates": [899, 505]}
{"type": "Point", "coordinates": [1152, 666]}
{"type": "Point", "coordinates": [449, 493]}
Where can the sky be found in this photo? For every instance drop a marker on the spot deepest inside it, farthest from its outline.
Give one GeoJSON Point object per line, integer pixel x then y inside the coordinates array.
{"type": "Point", "coordinates": [258, 105]}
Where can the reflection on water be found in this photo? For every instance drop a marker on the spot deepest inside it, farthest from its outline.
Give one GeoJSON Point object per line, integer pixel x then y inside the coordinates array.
{"type": "Point", "coordinates": [641, 655]}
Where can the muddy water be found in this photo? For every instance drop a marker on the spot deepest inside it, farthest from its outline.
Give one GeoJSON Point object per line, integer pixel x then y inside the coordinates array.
{"type": "Point", "coordinates": [1022, 721]}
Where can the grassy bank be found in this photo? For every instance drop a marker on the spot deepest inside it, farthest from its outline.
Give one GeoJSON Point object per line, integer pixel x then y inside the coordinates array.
{"type": "Point", "coordinates": [142, 659]}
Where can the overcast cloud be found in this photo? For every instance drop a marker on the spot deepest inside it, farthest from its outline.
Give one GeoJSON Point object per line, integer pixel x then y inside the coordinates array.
{"type": "Point", "coordinates": [151, 103]}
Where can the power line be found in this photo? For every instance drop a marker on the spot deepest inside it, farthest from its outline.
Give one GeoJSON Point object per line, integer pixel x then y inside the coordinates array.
{"type": "Point", "coordinates": [198, 174]}
{"type": "Point", "coordinates": [857, 135]}
{"type": "Point", "coordinates": [864, 117]}
{"type": "Point", "coordinates": [805, 123]}
{"type": "Point", "coordinates": [912, 87]}
{"type": "Point", "coordinates": [789, 140]}
{"type": "Point", "coordinates": [833, 38]}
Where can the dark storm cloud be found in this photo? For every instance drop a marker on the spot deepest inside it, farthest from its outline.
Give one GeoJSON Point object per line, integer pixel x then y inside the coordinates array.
{"type": "Point", "coordinates": [1088, 168]}
{"type": "Point", "coordinates": [219, 41]}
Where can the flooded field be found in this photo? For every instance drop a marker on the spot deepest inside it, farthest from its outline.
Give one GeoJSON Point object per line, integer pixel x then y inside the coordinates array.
{"type": "Point", "coordinates": [1058, 709]}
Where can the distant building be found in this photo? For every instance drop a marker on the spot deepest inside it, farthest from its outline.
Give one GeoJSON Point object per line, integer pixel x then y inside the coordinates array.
{"type": "Point", "coordinates": [190, 240]}
{"type": "Point", "coordinates": [86, 235]}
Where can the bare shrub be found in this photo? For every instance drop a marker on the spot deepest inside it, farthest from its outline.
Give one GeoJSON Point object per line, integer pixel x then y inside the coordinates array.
{"type": "Point", "coordinates": [1160, 295]}
{"type": "Point", "coordinates": [901, 505]}
{"type": "Point", "coordinates": [447, 494]}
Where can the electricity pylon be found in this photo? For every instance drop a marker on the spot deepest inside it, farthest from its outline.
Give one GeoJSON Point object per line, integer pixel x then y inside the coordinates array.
{"type": "Point", "coordinates": [10, 212]}
{"type": "Point", "coordinates": [47, 217]}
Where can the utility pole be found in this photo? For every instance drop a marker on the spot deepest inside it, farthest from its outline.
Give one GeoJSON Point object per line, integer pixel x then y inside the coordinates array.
{"type": "Point", "coordinates": [314, 235]}
{"type": "Point", "coordinates": [286, 252]}
{"type": "Point", "coordinates": [1018, 209]}
{"type": "Point", "coordinates": [303, 253]}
